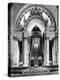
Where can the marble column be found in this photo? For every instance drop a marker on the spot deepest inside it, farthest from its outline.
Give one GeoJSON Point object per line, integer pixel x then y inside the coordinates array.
{"type": "Point", "coordinates": [26, 55]}
{"type": "Point", "coordinates": [25, 50]}
{"type": "Point", "coordinates": [54, 52]}
{"type": "Point", "coordinates": [47, 53]}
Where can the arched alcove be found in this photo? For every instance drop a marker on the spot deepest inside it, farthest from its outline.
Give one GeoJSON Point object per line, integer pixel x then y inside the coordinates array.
{"type": "Point", "coordinates": [27, 19]}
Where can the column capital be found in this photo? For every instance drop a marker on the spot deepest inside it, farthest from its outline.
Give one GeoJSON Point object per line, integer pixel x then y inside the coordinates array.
{"type": "Point", "coordinates": [50, 35]}
{"type": "Point", "coordinates": [18, 35]}
{"type": "Point", "coordinates": [25, 34]}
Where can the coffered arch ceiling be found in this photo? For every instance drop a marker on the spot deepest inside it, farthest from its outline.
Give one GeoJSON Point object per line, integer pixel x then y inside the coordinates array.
{"type": "Point", "coordinates": [31, 15]}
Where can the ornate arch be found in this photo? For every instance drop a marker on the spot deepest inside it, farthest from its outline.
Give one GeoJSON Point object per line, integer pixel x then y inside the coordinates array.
{"type": "Point", "coordinates": [28, 11]}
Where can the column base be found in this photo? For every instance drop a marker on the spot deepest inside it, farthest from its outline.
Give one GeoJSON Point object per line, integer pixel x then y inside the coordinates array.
{"type": "Point", "coordinates": [25, 65]}
{"type": "Point", "coordinates": [47, 64]}
{"type": "Point", "coordinates": [55, 64]}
